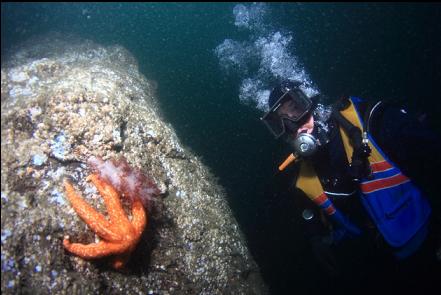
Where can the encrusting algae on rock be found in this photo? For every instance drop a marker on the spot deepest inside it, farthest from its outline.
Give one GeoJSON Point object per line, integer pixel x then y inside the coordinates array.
{"type": "Point", "coordinates": [64, 99]}
{"type": "Point", "coordinates": [120, 235]}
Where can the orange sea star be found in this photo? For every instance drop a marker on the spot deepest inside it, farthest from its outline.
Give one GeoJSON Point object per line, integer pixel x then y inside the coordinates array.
{"type": "Point", "coordinates": [119, 234]}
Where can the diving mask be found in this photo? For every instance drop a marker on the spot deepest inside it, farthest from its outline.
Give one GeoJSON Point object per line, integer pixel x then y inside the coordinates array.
{"type": "Point", "coordinates": [288, 111]}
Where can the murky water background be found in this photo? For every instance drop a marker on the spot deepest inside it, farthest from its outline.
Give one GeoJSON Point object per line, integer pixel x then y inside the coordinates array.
{"type": "Point", "coordinates": [214, 64]}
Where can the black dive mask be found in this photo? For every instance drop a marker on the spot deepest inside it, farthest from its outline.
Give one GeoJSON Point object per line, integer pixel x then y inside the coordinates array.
{"type": "Point", "coordinates": [288, 111]}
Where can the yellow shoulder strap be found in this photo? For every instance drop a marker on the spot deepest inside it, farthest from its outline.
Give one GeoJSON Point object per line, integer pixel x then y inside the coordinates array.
{"type": "Point", "coordinates": [351, 114]}
{"type": "Point", "coordinates": [308, 181]}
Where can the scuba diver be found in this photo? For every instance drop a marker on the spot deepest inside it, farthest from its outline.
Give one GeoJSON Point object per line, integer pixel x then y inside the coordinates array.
{"type": "Point", "coordinates": [356, 172]}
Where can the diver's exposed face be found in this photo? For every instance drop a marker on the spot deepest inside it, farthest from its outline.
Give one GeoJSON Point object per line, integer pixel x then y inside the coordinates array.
{"type": "Point", "coordinates": [307, 127]}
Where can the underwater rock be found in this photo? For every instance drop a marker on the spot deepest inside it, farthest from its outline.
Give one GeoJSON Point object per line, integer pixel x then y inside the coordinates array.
{"type": "Point", "coordinates": [64, 100]}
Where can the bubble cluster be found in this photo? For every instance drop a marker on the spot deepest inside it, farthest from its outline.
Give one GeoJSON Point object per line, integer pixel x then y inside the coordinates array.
{"type": "Point", "coordinates": [265, 58]}
{"type": "Point", "coordinates": [233, 56]}
{"type": "Point", "coordinates": [250, 16]}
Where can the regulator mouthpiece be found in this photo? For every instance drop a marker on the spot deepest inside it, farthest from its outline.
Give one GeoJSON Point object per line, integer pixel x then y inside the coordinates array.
{"type": "Point", "coordinates": [305, 145]}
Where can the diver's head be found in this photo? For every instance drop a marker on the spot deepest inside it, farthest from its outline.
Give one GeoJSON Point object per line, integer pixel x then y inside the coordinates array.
{"type": "Point", "coordinates": [298, 118]}
{"type": "Point", "coordinates": [289, 110]}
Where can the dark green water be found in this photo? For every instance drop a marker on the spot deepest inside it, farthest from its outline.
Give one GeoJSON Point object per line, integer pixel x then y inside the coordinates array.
{"type": "Point", "coordinates": [368, 50]}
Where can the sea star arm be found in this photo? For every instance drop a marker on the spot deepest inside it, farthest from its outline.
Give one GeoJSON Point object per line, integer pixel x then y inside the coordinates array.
{"type": "Point", "coordinates": [139, 217]}
{"type": "Point", "coordinates": [112, 200]}
{"type": "Point", "coordinates": [120, 260]}
{"type": "Point", "coordinates": [96, 221]}
{"type": "Point", "coordinates": [95, 250]}
{"type": "Point", "coordinates": [139, 222]}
